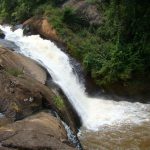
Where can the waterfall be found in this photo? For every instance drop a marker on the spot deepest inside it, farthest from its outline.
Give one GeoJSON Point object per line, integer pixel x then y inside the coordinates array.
{"type": "Point", "coordinates": [94, 112]}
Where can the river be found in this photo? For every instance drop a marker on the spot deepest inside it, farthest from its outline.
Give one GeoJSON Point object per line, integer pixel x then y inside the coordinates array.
{"type": "Point", "coordinates": [106, 123]}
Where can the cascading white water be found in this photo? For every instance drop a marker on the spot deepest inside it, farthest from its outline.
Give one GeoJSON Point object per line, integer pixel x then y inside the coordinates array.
{"type": "Point", "coordinates": [94, 112]}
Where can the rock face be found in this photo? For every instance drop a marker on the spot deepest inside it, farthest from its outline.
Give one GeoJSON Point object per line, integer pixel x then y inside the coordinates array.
{"type": "Point", "coordinates": [8, 44]}
{"type": "Point", "coordinates": [18, 98]}
{"type": "Point", "coordinates": [2, 35]}
{"type": "Point", "coordinates": [10, 60]}
{"type": "Point", "coordinates": [40, 26]}
{"type": "Point", "coordinates": [22, 94]}
{"type": "Point", "coordinates": [85, 10]}
{"type": "Point", "coordinates": [41, 131]}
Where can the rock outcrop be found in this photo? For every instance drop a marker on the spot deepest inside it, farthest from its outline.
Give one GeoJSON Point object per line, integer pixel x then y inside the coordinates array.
{"type": "Point", "coordinates": [9, 60]}
{"type": "Point", "coordinates": [23, 94]}
{"type": "Point", "coordinates": [36, 25]}
{"type": "Point", "coordinates": [85, 10]}
{"type": "Point", "coordinates": [40, 131]}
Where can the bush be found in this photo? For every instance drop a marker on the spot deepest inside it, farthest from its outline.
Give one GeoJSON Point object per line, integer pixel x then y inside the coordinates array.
{"type": "Point", "coordinates": [58, 101]}
{"type": "Point", "coordinates": [74, 20]}
{"type": "Point", "coordinates": [117, 50]}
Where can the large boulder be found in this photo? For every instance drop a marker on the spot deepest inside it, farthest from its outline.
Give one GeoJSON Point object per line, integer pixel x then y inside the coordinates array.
{"type": "Point", "coordinates": [36, 25]}
{"type": "Point", "coordinates": [19, 96]}
{"type": "Point", "coordinates": [23, 93]}
{"type": "Point", "coordinates": [41, 131]}
{"type": "Point", "coordinates": [85, 10]}
{"type": "Point", "coordinates": [10, 60]}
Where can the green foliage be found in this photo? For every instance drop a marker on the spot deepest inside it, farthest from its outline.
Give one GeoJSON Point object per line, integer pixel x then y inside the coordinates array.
{"type": "Point", "coordinates": [117, 50]}
{"type": "Point", "coordinates": [14, 71]}
{"type": "Point", "coordinates": [18, 10]}
{"type": "Point", "coordinates": [74, 20]}
{"type": "Point", "coordinates": [91, 1]}
{"type": "Point", "coordinates": [58, 101]}
{"type": "Point", "coordinates": [125, 37]}
{"type": "Point", "coordinates": [58, 2]}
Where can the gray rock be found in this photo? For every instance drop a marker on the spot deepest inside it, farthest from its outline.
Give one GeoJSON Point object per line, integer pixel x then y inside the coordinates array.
{"type": "Point", "coordinates": [41, 131]}
{"type": "Point", "coordinates": [85, 10]}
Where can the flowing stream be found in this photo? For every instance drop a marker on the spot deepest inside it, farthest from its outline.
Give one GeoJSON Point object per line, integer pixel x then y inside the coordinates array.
{"type": "Point", "coordinates": [96, 113]}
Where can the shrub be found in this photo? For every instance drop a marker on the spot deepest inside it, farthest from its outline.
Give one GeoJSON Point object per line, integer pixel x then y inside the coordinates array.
{"type": "Point", "coordinates": [73, 19]}
{"type": "Point", "coordinates": [58, 101]}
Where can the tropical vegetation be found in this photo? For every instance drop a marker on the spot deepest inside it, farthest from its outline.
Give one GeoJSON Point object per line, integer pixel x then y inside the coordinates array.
{"type": "Point", "coordinates": [116, 50]}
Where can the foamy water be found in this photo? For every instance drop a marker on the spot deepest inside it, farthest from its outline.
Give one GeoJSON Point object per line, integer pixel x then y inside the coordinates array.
{"type": "Point", "coordinates": [94, 112]}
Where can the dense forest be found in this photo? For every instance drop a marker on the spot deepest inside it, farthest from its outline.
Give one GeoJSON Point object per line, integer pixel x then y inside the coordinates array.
{"type": "Point", "coordinates": [115, 50]}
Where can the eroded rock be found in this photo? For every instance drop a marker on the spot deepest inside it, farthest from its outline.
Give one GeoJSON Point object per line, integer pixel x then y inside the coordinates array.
{"type": "Point", "coordinates": [85, 10]}
{"type": "Point", "coordinates": [41, 131]}
{"type": "Point", "coordinates": [22, 64]}
{"type": "Point", "coordinates": [2, 35]}
{"type": "Point", "coordinates": [40, 26]}
{"type": "Point", "coordinates": [22, 95]}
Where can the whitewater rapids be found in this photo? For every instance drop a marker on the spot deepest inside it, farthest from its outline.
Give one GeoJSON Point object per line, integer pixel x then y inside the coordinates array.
{"type": "Point", "coordinates": [94, 112]}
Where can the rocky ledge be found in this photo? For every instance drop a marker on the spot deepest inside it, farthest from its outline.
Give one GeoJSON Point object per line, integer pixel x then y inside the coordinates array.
{"type": "Point", "coordinates": [40, 25]}
{"type": "Point", "coordinates": [23, 95]}
{"type": "Point", "coordinates": [40, 131]}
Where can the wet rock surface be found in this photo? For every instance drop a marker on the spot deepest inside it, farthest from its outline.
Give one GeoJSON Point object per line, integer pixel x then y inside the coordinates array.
{"type": "Point", "coordinates": [8, 44]}
{"type": "Point", "coordinates": [2, 35]}
{"type": "Point", "coordinates": [40, 131]}
{"type": "Point", "coordinates": [22, 94]}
